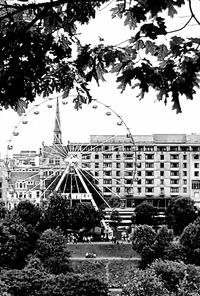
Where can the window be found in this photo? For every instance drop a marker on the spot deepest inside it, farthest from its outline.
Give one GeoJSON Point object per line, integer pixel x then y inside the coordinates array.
{"type": "Point", "coordinates": [185, 182]}
{"type": "Point", "coordinates": [118, 165]}
{"type": "Point", "coordinates": [127, 148]}
{"type": "Point", "coordinates": [118, 173]}
{"type": "Point", "coordinates": [173, 148]}
{"type": "Point", "coordinates": [107, 173]}
{"type": "Point", "coordinates": [128, 173]}
{"type": "Point", "coordinates": [140, 148]}
{"type": "Point", "coordinates": [161, 148]}
{"type": "Point", "coordinates": [37, 194]}
{"type": "Point", "coordinates": [162, 165]}
{"type": "Point", "coordinates": [118, 189]}
{"type": "Point", "coordinates": [195, 184]}
{"type": "Point", "coordinates": [107, 156]}
{"type": "Point", "coordinates": [174, 156]}
{"type": "Point", "coordinates": [139, 190]}
{"type": "Point", "coordinates": [149, 148]}
{"type": "Point", "coordinates": [107, 165]}
{"type": "Point", "coordinates": [0, 184]}
{"type": "Point", "coordinates": [50, 160]}
{"type": "Point", "coordinates": [149, 156]}
{"type": "Point", "coordinates": [196, 148]}
{"type": "Point", "coordinates": [174, 164]}
{"type": "Point", "coordinates": [139, 174]}
{"type": "Point", "coordinates": [107, 181]}
{"type": "Point", "coordinates": [149, 165]}
{"type": "Point", "coordinates": [196, 165]}
{"type": "Point", "coordinates": [196, 174]}
{"type": "Point", "coordinates": [161, 182]}
{"type": "Point", "coordinates": [149, 189]}
{"type": "Point", "coordinates": [185, 165]}
{"type": "Point", "coordinates": [184, 173]}
{"type": "Point", "coordinates": [117, 156]}
{"type": "Point", "coordinates": [162, 157]}
{"type": "Point", "coordinates": [128, 181]}
{"type": "Point", "coordinates": [96, 165]}
{"type": "Point", "coordinates": [96, 156]}
{"type": "Point", "coordinates": [184, 189]}
{"type": "Point", "coordinates": [139, 156]}
{"type": "Point", "coordinates": [174, 173]}
{"type": "Point", "coordinates": [174, 181]}
{"type": "Point", "coordinates": [96, 174]}
{"type": "Point", "coordinates": [185, 148]}
{"type": "Point", "coordinates": [86, 156]}
{"type": "Point", "coordinates": [149, 181]}
{"type": "Point", "coordinates": [196, 156]}
{"type": "Point", "coordinates": [107, 189]}
{"type": "Point", "coordinates": [184, 156]}
{"type": "Point", "coordinates": [149, 173]}
{"type": "Point", "coordinates": [162, 173]}
{"type": "Point", "coordinates": [128, 165]}
{"type": "Point", "coordinates": [174, 189]}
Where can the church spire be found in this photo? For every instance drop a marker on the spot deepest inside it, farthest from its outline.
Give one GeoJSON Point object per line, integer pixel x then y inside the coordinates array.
{"type": "Point", "coordinates": [57, 134]}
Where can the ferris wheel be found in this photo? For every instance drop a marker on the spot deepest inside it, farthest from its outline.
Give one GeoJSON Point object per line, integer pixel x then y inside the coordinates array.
{"type": "Point", "coordinates": [85, 156]}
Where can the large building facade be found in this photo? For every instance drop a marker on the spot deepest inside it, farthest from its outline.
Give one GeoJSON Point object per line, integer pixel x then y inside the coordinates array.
{"type": "Point", "coordinates": [124, 169]}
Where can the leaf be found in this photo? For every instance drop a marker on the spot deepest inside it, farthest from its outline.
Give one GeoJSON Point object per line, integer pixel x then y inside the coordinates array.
{"type": "Point", "coordinates": [171, 10]}
{"type": "Point", "coordinates": [139, 44]}
{"type": "Point", "coordinates": [162, 52]}
{"type": "Point", "coordinates": [130, 20]}
{"type": "Point", "coordinates": [150, 47]}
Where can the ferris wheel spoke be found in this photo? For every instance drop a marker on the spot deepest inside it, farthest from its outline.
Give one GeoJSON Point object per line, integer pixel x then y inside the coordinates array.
{"type": "Point", "coordinates": [51, 151]}
{"type": "Point", "coordinates": [77, 186]}
{"type": "Point", "coordinates": [65, 185]}
{"type": "Point", "coordinates": [82, 144]}
{"type": "Point", "coordinates": [84, 174]}
{"type": "Point", "coordinates": [96, 146]}
{"type": "Point", "coordinates": [38, 184]}
{"type": "Point", "coordinates": [60, 147]}
{"type": "Point", "coordinates": [49, 186]}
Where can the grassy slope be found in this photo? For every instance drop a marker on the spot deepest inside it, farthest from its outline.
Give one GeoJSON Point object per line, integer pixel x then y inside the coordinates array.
{"type": "Point", "coordinates": [102, 250]}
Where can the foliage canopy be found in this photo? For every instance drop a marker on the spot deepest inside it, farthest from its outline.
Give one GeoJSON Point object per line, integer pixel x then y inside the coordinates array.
{"type": "Point", "coordinates": [41, 50]}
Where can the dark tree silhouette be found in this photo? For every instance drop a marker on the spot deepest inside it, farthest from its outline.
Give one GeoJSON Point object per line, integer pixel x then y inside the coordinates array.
{"type": "Point", "coordinates": [37, 38]}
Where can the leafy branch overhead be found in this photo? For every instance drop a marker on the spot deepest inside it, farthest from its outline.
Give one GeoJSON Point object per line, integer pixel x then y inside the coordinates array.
{"type": "Point", "coordinates": [41, 51]}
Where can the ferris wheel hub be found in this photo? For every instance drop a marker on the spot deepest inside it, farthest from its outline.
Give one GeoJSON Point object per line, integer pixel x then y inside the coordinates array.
{"type": "Point", "coordinates": [71, 159]}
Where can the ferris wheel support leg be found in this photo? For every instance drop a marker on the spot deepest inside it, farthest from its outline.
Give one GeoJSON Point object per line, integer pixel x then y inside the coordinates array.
{"type": "Point", "coordinates": [92, 200]}
{"type": "Point", "coordinates": [62, 178]}
{"type": "Point", "coordinates": [86, 189]}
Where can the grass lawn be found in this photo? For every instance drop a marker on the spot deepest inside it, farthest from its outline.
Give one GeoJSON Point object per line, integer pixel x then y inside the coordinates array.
{"type": "Point", "coordinates": [104, 267]}
{"type": "Point", "coordinates": [102, 250]}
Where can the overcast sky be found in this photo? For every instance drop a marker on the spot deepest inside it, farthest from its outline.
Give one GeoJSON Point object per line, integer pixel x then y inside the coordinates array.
{"type": "Point", "coordinates": [143, 117]}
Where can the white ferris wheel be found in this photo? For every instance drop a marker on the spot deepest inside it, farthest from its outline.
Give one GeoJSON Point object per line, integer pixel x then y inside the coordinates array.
{"type": "Point", "coordinates": [86, 155]}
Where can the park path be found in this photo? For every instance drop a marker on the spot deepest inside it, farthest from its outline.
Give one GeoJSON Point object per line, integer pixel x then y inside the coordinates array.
{"type": "Point", "coordinates": [106, 258]}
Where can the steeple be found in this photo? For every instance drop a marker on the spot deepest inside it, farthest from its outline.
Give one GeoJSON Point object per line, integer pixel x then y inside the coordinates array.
{"type": "Point", "coordinates": [57, 134]}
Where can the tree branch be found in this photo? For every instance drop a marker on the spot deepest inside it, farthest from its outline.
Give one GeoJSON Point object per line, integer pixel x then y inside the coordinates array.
{"type": "Point", "coordinates": [192, 12]}
{"type": "Point", "coordinates": [177, 30]}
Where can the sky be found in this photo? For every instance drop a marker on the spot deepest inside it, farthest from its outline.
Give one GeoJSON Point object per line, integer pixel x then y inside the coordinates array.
{"type": "Point", "coordinates": [146, 116]}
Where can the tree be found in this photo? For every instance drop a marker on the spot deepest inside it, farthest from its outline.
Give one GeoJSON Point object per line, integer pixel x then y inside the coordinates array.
{"type": "Point", "coordinates": [144, 214]}
{"type": "Point", "coordinates": [180, 212]}
{"type": "Point", "coordinates": [175, 275]}
{"type": "Point", "coordinates": [144, 282]}
{"type": "Point", "coordinates": [189, 239]}
{"type": "Point", "coordinates": [28, 212]}
{"type": "Point", "coordinates": [16, 242]}
{"type": "Point", "coordinates": [37, 41]}
{"type": "Point", "coordinates": [115, 219]}
{"type": "Point", "coordinates": [33, 282]}
{"type": "Point", "coordinates": [51, 250]}
{"type": "Point", "coordinates": [149, 244]}
{"type": "Point", "coordinates": [58, 213]}
{"type": "Point", "coordinates": [85, 216]}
